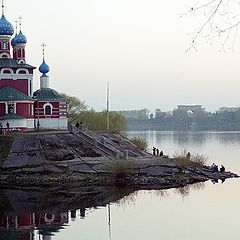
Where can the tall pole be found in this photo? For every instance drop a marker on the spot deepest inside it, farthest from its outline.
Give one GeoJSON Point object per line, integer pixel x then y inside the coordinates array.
{"type": "Point", "coordinates": [108, 120]}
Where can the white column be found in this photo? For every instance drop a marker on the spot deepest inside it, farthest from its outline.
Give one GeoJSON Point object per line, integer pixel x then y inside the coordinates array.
{"type": "Point", "coordinates": [6, 108]}
{"type": "Point", "coordinates": [44, 82]}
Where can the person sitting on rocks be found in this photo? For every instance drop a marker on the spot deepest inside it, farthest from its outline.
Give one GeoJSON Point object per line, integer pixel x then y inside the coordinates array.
{"type": "Point", "coordinates": [222, 168]}
{"type": "Point", "coordinates": [214, 167]}
{"type": "Point", "coordinates": [188, 155]}
{"type": "Point", "coordinates": [161, 153]}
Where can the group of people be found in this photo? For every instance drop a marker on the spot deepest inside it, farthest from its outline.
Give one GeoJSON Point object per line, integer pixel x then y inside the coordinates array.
{"type": "Point", "coordinates": [80, 126]}
{"type": "Point", "coordinates": [214, 168]}
{"type": "Point", "coordinates": [156, 152]}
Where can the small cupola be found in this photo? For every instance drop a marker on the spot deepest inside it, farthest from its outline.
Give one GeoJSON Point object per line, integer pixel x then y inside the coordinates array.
{"type": "Point", "coordinates": [20, 38]}
{"type": "Point", "coordinates": [44, 69]}
{"type": "Point", "coordinates": [18, 44]}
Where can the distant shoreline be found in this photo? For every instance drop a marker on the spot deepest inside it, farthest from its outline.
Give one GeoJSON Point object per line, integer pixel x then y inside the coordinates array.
{"type": "Point", "coordinates": [167, 125]}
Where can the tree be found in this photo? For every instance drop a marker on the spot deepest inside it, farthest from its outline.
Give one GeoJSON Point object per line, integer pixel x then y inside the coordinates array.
{"type": "Point", "coordinates": [96, 121]}
{"type": "Point", "coordinates": [220, 19]}
{"type": "Point", "coordinates": [75, 106]}
{"type": "Point", "coordinates": [78, 111]}
{"type": "Point", "coordinates": [159, 114]}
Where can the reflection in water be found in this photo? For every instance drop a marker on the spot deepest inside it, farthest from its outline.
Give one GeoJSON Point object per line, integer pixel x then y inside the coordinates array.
{"type": "Point", "coordinates": [47, 211]}
{"type": "Point", "coordinates": [40, 214]}
{"type": "Point", "coordinates": [128, 200]}
{"type": "Point", "coordinates": [185, 191]}
{"type": "Point", "coordinates": [22, 226]}
{"type": "Point", "coordinates": [109, 222]}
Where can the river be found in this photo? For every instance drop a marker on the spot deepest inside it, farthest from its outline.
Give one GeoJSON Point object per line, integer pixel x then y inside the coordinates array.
{"type": "Point", "coordinates": [202, 211]}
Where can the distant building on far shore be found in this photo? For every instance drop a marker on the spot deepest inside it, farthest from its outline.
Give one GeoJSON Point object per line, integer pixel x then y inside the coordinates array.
{"type": "Point", "coordinates": [228, 109]}
{"type": "Point", "coordinates": [193, 108]}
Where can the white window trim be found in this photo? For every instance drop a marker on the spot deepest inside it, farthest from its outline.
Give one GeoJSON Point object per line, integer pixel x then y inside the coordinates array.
{"type": "Point", "coordinates": [44, 107]}
{"type": "Point", "coordinates": [5, 54]}
{"type": "Point", "coordinates": [7, 69]}
{"type": "Point", "coordinates": [22, 69]}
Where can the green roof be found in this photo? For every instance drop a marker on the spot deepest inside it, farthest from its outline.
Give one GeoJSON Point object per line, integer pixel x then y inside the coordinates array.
{"type": "Point", "coordinates": [48, 94]}
{"type": "Point", "coordinates": [11, 116]}
{"type": "Point", "coordinates": [7, 92]}
{"type": "Point", "coordinates": [12, 63]}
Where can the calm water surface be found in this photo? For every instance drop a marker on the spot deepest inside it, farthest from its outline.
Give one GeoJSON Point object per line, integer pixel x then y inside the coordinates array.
{"type": "Point", "coordinates": [202, 211]}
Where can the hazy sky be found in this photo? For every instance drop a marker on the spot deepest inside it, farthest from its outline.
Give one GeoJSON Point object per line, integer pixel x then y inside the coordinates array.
{"type": "Point", "coordinates": [137, 45]}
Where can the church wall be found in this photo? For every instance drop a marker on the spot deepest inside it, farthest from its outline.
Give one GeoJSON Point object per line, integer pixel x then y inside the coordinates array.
{"type": "Point", "coordinates": [26, 220]}
{"type": "Point", "coordinates": [54, 123]}
{"type": "Point", "coordinates": [55, 109]}
{"type": "Point", "coordinates": [23, 109]}
{"type": "Point", "coordinates": [2, 109]}
{"type": "Point", "coordinates": [30, 123]}
{"type": "Point", "coordinates": [20, 85]}
{"type": "Point", "coordinates": [15, 123]}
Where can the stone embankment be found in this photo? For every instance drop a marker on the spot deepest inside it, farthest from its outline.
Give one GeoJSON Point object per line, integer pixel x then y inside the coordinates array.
{"type": "Point", "coordinates": [87, 158]}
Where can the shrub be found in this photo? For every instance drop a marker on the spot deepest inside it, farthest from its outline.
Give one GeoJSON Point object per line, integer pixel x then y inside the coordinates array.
{"type": "Point", "coordinates": [141, 143]}
{"type": "Point", "coordinates": [121, 167]}
{"type": "Point", "coordinates": [194, 160]}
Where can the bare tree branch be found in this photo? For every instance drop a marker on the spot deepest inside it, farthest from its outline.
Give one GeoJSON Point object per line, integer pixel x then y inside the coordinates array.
{"type": "Point", "coordinates": [221, 19]}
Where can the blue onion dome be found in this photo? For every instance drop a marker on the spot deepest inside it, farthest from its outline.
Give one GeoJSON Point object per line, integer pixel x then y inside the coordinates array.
{"type": "Point", "coordinates": [44, 68]}
{"type": "Point", "coordinates": [6, 28]}
{"type": "Point", "coordinates": [13, 41]}
{"type": "Point", "coordinates": [20, 39]}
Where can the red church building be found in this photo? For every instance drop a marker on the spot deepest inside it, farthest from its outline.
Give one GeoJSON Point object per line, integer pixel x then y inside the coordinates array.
{"type": "Point", "coordinates": [20, 108]}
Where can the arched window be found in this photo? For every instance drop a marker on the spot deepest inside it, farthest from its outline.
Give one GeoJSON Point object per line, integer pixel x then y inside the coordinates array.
{"type": "Point", "coordinates": [7, 71]}
{"type": "Point", "coordinates": [22, 70]}
{"type": "Point", "coordinates": [10, 108]}
{"type": "Point", "coordinates": [48, 110]}
{"type": "Point", "coordinates": [4, 45]}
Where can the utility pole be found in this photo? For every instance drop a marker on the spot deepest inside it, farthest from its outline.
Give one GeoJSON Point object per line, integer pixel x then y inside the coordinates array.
{"type": "Point", "coordinates": [108, 120]}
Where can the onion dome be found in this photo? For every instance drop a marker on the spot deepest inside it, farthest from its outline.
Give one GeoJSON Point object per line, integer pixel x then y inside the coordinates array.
{"type": "Point", "coordinates": [13, 41]}
{"type": "Point", "coordinates": [20, 39]}
{"type": "Point", "coordinates": [44, 68]}
{"type": "Point", "coordinates": [6, 28]}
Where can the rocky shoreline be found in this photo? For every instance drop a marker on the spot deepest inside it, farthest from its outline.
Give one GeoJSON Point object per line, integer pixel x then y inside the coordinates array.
{"type": "Point", "coordinates": [83, 159]}
{"type": "Point", "coordinates": [153, 176]}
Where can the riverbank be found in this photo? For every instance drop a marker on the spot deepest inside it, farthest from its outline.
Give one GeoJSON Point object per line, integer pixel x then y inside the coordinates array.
{"type": "Point", "coordinates": [145, 174]}
{"type": "Point", "coordinates": [83, 159]}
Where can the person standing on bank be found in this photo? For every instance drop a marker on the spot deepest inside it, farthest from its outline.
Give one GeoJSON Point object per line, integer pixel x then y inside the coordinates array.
{"type": "Point", "coordinates": [154, 151]}
{"type": "Point", "coordinates": [7, 124]}
{"type": "Point", "coordinates": [77, 125]}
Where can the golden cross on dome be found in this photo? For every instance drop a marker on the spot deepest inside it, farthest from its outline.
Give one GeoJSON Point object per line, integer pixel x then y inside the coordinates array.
{"type": "Point", "coordinates": [43, 47]}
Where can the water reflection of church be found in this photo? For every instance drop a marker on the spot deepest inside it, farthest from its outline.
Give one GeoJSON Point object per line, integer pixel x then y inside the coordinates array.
{"type": "Point", "coordinates": [24, 226]}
